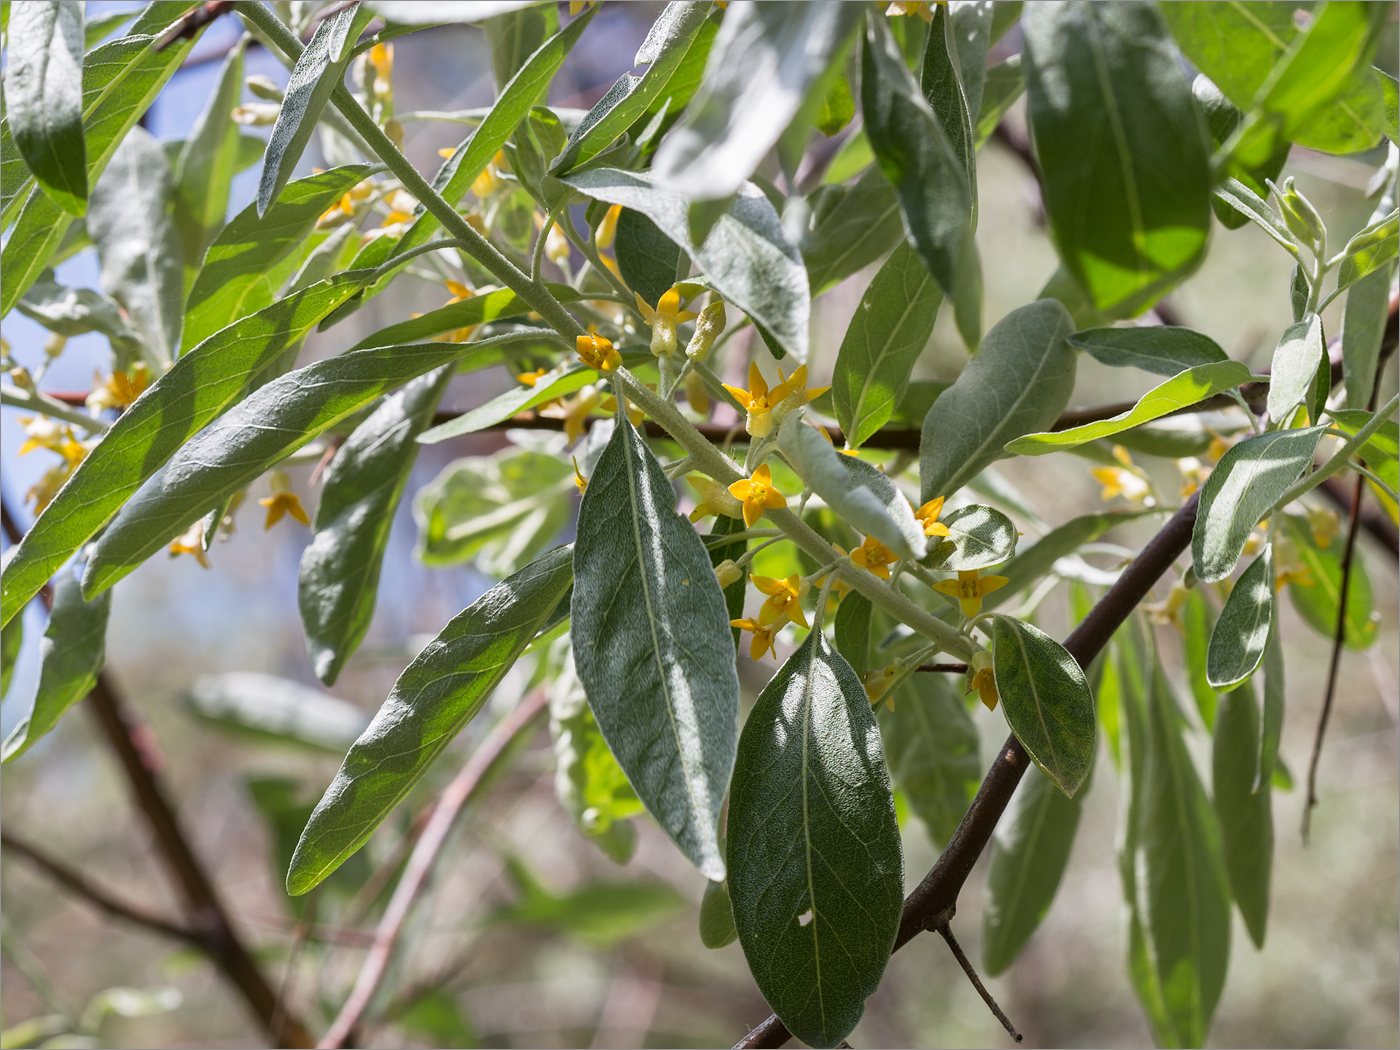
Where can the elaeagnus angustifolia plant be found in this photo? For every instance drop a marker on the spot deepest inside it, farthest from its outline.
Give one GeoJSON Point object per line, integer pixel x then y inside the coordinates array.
{"type": "Point", "coordinates": [683, 497]}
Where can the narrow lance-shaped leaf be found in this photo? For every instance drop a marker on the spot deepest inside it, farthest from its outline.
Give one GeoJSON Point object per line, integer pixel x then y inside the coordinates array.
{"type": "Point", "coordinates": [435, 697]}
{"type": "Point", "coordinates": [913, 150]}
{"type": "Point", "coordinates": [972, 28]}
{"type": "Point", "coordinates": [932, 746]}
{"type": "Point", "coordinates": [1187, 388]}
{"type": "Point", "coordinates": [1004, 84]}
{"type": "Point", "coordinates": [816, 871]}
{"type": "Point", "coordinates": [1363, 327]}
{"type": "Point", "coordinates": [137, 246]}
{"type": "Point", "coordinates": [1162, 349]}
{"type": "Point", "coordinates": [1246, 816]}
{"type": "Point", "coordinates": [199, 386]}
{"type": "Point", "coordinates": [1018, 383]}
{"type": "Point", "coordinates": [716, 916]}
{"type": "Point", "coordinates": [1271, 710]}
{"type": "Point", "coordinates": [513, 35]}
{"type": "Point", "coordinates": [245, 441]}
{"type": "Point", "coordinates": [1370, 250]}
{"type": "Point", "coordinates": [1122, 147]}
{"type": "Point", "coordinates": [760, 68]}
{"type": "Point", "coordinates": [648, 260]}
{"type": "Point", "coordinates": [1030, 849]}
{"type": "Point", "coordinates": [339, 576]}
{"type": "Point", "coordinates": [1315, 586]}
{"type": "Point", "coordinates": [318, 72]}
{"type": "Point", "coordinates": [851, 227]}
{"type": "Point", "coordinates": [73, 652]}
{"type": "Point", "coordinates": [1242, 489]}
{"type": "Point", "coordinates": [652, 644]}
{"type": "Point", "coordinates": [940, 79]}
{"type": "Point", "coordinates": [44, 97]}
{"type": "Point", "coordinates": [1295, 362]}
{"type": "Point", "coordinates": [1046, 699]}
{"type": "Point", "coordinates": [1237, 642]}
{"type": "Point", "coordinates": [889, 330]}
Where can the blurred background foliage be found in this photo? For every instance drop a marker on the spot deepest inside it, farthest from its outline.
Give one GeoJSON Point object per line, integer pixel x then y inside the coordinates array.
{"type": "Point", "coordinates": [529, 934]}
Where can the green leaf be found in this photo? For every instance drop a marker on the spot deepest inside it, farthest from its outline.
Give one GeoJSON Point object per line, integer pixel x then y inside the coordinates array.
{"type": "Point", "coordinates": [663, 49]}
{"type": "Point", "coordinates": [940, 80]}
{"type": "Point", "coordinates": [438, 1019]}
{"type": "Point", "coordinates": [1246, 816]}
{"type": "Point", "coordinates": [1197, 618]}
{"type": "Point", "coordinates": [71, 656]}
{"type": "Point", "coordinates": [499, 305]}
{"type": "Point", "coordinates": [513, 35]}
{"type": "Point", "coordinates": [851, 631]}
{"type": "Point", "coordinates": [252, 256]}
{"type": "Point", "coordinates": [599, 915]}
{"type": "Point", "coordinates": [1122, 148]}
{"type": "Point", "coordinates": [736, 592]}
{"type": "Point", "coordinates": [206, 165]}
{"type": "Point", "coordinates": [932, 751]}
{"type": "Point", "coordinates": [1237, 643]}
{"type": "Point", "coordinates": [318, 72]}
{"type": "Point", "coordinates": [1246, 202]}
{"type": "Point", "coordinates": [891, 327]}
{"type": "Point", "coordinates": [1223, 118]}
{"type": "Point", "coordinates": [137, 246]}
{"type": "Point", "coordinates": [760, 68]}
{"type": "Point", "coordinates": [1018, 383]}
{"type": "Point", "coordinates": [199, 386]}
{"type": "Point", "coordinates": [11, 642]}
{"type": "Point", "coordinates": [1369, 250]}
{"type": "Point", "coordinates": [653, 648]}
{"type": "Point", "coordinates": [1236, 45]}
{"type": "Point", "coordinates": [1003, 86]}
{"type": "Point", "coordinates": [549, 386]}
{"type": "Point", "coordinates": [1383, 447]}
{"type": "Point", "coordinates": [1162, 349]}
{"type": "Point", "coordinates": [100, 27]}
{"type": "Point", "coordinates": [501, 510]}
{"type": "Point", "coordinates": [1317, 594]}
{"type": "Point", "coordinates": [1189, 387]}
{"type": "Point", "coordinates": [44, 97]}
{"type": "Point", "coordinates": [816, 871]}
{"type": "Point", "coordinates": [127, 76]}
{"type": "Point", "coordinates": [1039, 558]}
{"type": "Point", "coordinates": [929, 178]}
{"type": "Point", "coordinates": [650, 262]}
{"type": "Point", "coordinates": [339, 576]}
{"type": "Point", "coordinates": [1271, 711]}
{"type": "Point", "coordinates": [435, 697]}
{"type": "Point", "coordinates": [1030, 849]}
{"type": "Point", "coordinates": [746, 256]}
{"type": "Point", "coordinates": [862, 495]}
{"type": "Point", "coordinates": [1390, 92]}
{"type": "Point", "coordinates": [76, 311]}
{"type": "Point", "coordinates": [1318, 70]}
{"type": "Point", "coordinates": [978, 538]}
{"type": "Point", "coordinates": [851, 227]}
{"type": "Point", "coordinates": [971, 31]}
{"type": "Point", "coordinates": [271, 710]}
{"type": "Point", "coordinates": [255, 434]}
{"type": "Point", "coordinates": [1295, 363]}
{"type": "Point", "coordinates": [1363, 327]}
{"type": "Point", "coordinates": [716, 916]}
{"type": "Point", "coordinates": [1046, 700]}
{"type": "Point", "coordinates": [1242, 489]}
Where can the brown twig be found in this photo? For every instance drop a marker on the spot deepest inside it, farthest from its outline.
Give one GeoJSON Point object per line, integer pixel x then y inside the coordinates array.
{"type": "Point", "coordinates": [935, 897]}
{"type": "Point", "coordinates": [947, 668]}
{"type": "Point", "coordinates": [947, 931]}
{"type": "Point", "coordinates": [82, 886]}
{"type": "Point", "coordinates": [420, 863]}
{"type": "Point", "coordinates": [192, 21]}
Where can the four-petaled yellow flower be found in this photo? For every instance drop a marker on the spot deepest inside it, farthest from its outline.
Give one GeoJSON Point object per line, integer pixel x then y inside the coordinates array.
{"type": "Point", "coordinates": [43, 432]}
{"type": "Point", "coordinates": [663, 321]}
{"type": "Point", "coordinates": [1324, 525]}
{"type": "Point", "coordinates": [714, 499]}
{"type": "Point", "coordinates": [768, 406]}
{"type": "Point", "coordinates": [758, 495]}
{"type": "Point", "coordinates": [762, 637]}
{"type": "Point", "coordinates": [875, 557]}
{"type": "Point", "coordinates": [984, 680]}
{"type": "Point", "coordinates": [119, 390]}
{"type": "Point", "coordinates": [531, 378]}
{"type": "Point", "coordinates": [909, 7]}
{"type": "Point", "coordinates": [191, 542]}
{"type": "Point", "coordinates": [784, 600]}
{"type": "Point", "coordinates": [597, 352]}
{"type": "Point", "coordinates": [607, 228]}
{"type": "Point", "coordinates": [381, 57]}
{"type": "Point", "coordinates": [283, 501]}
{"type": "Point", "coordinates": [345, 207]}
{"type": "Point", "coordinates": [489, 181]}
{"type": "Point", "coordinates": [877, 684]}
{"type": "Point", "coordinates": [579, 479]}
{"type": "Point", "coordinates": [928, 518]}
{"type": "Point", "coordinates": [1125, 481]}
{"type": "Point", "coordinates": [970, 588]}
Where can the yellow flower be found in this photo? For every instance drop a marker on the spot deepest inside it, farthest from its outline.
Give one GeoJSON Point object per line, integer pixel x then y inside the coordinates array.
{"type": "Point", "coordinates": [663, 321]}
{"type": "Point", "coordinates": [489, 181]}
{"type": "Point", "coordinates": [766, 407]}
{"type": "Point", "coordinates": [460, 292]}
{"type": "Point", "coordinates": [970, 588]}
{"type": "Point", "coordinates": [1121, 481]}
{"type": "Point", "coordinates": [1193, 474]}
{"type": "Point", "coordinates": [607, 228]}
{"type": "Point", "coordinates": [1324, 525]}
{"type": "Point", "coordinates": [1218, 447]}
{"type": "Point", "coordinates": [762, 637]}
{"type": "Point", "coordinates": [579, 479]}
{"type": "Point", "coordinates": [597, 352]}
{"type": "Point", "coordinates": [758, 495]}
{"type": "Point", "coordinates": [446, 151]}
{"type": "Point", "coordinates": [574, 411]}
{"type": "Point", "coordinates": [727, 572]}
{"type": "Point", "coordinates": [714, 499]}
{"type": "Point", "coordinates": [119, 389]}
{"type": "Point", "coordinates": [191, 542]}
{"type": "Point", "coordinates": [634, 414]}
{"type": "Point", "coordinates": [345, 207]}
{"type": "Point", "coordinates": [909, 7]}
{"type": "Point", "coordinates": [43, 491]}
{"type": "Point", "coordinates": [784, 602]}
{"type": "Point", "coordinates": [928, 518]}
{"type": "Point", "coordinates": [874, 556]}
{"type": "Point", "coordinates": [839, 587]}
{"type": "Point", "coordinates": [578, 6]}
{"type": "Point", "coordinates": [877, 684]}
{"type": "Point", "coordinates": [1167, 611]}
{"type": "Point", "coordinates": [1289, 567]}
{"type": "Point", "coordinates": [531, 378]}
{"type": "Point", "coordinates": [283, 501]}
{"type": "Point", "coordinates": [984, 680]}
{"type": "Point", "coordinates": [381, 57]}
{"type": "Point", "coordinates": [43, 432]}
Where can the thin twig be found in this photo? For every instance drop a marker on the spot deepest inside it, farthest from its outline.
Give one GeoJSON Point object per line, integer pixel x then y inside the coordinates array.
{"type": "Point", "coordinates": [79, 884]}
{"type": "Point", "coordinates": [946, 668]}
{"type": "Point", "coordinates": [963, 961]}
{"type": "Point", "coordinates": [420, 864]}
{"type": "Point", "coordinates": [1334, 667]}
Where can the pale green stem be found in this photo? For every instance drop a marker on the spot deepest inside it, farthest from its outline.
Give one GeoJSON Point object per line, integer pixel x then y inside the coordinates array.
{"type": "Point", "coordinates": [537, 257]}
{"type": "Point", "coordinates": [418, 187]}
{"type": "Point", "coordinates": [37, 402]}
{"type": "Point", "coordinates": [717, 465]}
{"type": "Point", "coordinates": [586, 247]}
{"type": "Point", "coordinates": [736, 537]}
{"type": "Point", "coordinates": [1339, 458]}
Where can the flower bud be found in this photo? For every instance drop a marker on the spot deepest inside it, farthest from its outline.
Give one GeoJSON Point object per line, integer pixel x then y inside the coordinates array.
{"type": "Point", "coordinates": [1301, 216]}
{"type": "Point", "coordinates": [264, 87]}
{"type": "Point", "coordinates": [708, 327]}
{"type": "Point", "coordinates": [394, 130]}
{"type": "Point", "coordinates": [696, 393]}
{"type": "Point", "coordinates": [728, 572]}
{"type": "Point", "coordinates": [256, 114]}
